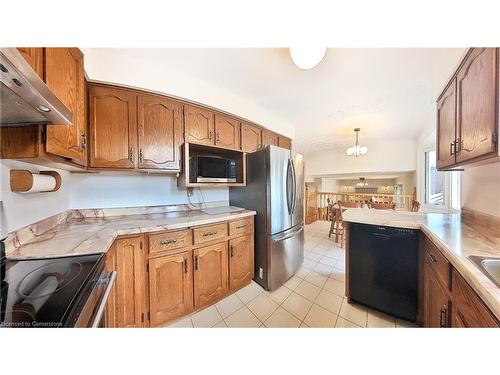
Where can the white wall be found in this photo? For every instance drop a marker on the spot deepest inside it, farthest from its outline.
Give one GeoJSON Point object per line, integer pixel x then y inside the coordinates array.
{"type": "Point", "coordinates": [381, 157]}
{"type": "Point", "coordinates": [19, 210]}
{"type": "Point", "coordinates": [135, 190]}
{"type": "Point", "coordinates": [481, 189]}
{"type": "Point", "coordinates": [409, 182]}
{"type": "Point", "coordinates": [134, 67]}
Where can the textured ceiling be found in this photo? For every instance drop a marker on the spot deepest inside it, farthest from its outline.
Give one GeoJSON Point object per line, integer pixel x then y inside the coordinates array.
{"type": "Point", "coordinates": [388, 93]}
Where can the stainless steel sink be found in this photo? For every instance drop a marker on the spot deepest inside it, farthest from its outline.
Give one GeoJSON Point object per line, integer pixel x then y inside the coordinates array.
{"type": "Point", "coordinates": [489, 266]}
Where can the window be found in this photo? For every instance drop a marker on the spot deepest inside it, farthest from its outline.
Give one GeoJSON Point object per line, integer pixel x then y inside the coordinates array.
{"type": "Point", "coordinates": [442, 190]}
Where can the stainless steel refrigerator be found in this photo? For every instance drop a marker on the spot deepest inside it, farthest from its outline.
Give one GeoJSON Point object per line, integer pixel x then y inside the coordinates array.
{"type": "Point", "coordinates": [275, 189]}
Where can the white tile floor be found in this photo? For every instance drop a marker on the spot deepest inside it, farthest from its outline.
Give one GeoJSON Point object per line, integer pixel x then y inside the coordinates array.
{"type": "Point", "coordinates": [314, 297]}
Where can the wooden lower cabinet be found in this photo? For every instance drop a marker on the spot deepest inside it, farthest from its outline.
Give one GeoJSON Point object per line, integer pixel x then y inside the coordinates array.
{"type": "Point", "coordinates": [210, 274]}
{"type": "Point", "coordinates": [241, 261]}
{"type": "Point", "coordinates": [130, 309]}
{"type": "Point", "coordinates": [436, 302]}
{"type": "Point", "coordinates": [170, 287]}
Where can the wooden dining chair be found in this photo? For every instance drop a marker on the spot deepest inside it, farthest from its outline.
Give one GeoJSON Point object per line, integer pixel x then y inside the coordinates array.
{"type": "Point", "coordinates": [332, 214]}
{"type": "Point", "coordinates": [382, 206]}
{"type": "Point", "coordinates": [415, 206]}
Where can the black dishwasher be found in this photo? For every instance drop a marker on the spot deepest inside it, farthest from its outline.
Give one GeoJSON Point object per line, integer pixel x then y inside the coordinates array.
{"type": "Point", "coordinates": [383, 269]}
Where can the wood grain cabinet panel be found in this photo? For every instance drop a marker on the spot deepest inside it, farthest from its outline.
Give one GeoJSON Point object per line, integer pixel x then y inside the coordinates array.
{"type": "Point", "coordinates": [168, 241]}
{"type": "Point", "coordinates": [170, 287]}
{"type": "Point", "coordinates": [284, 142]}
{"type": "Point", "coordinates": [131, 279]}
{"type": "Point", "coordinates": [241, 227]}
{"type": "Point", "coordinates": [34, 57]}
{"type": "Point", "coordinates": [199, 125]}
{"type": "Point", "coordinates": [241, 261]}
{"type": "Point", "coordinates": [446, 123]}
{"type": "Point", "coordinates": [210, 274]}
{"type": "Point", "coordinates": [159, 131]}
{"type": "Point", "coordinates": [65, 77]}
{"type": "Point", "coordinates": [436, 301]}
{"type": "Point", "coordinates": [251, 138]}
{"type": "Point", "coordinates": [477, 101]}
{"type": "Point", "coordinates": [209, 233]}
{"type": "Point", "coordinates": [227, 132]}
{"type": "Point", "coordinates": [113, 126]}
{"type": "Point", "coordinates": [111, 303]}
{"type": "Point", "coordinates": [269, 138]}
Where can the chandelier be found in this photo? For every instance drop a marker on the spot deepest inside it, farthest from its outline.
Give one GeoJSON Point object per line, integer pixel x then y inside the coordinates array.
{"type": "Point", "coordinates": [362, 182]}
{"type": "Point", "coordinates": [356, 150]}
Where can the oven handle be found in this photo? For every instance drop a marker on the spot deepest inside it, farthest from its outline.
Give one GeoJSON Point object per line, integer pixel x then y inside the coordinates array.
{"type": "Point", "coordinates": [102, 305]}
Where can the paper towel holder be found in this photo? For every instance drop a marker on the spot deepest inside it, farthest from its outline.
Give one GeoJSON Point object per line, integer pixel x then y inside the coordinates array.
{"type": "Point", "coordinates": [21, 180]}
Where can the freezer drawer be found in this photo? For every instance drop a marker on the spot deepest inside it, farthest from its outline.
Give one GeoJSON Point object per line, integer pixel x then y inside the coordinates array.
{"type": "Point", "coordinates": [286, 255]}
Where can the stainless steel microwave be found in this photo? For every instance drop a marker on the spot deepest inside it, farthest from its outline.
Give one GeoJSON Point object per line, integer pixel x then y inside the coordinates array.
{"type": "Point", "coordinates": [212, 169]}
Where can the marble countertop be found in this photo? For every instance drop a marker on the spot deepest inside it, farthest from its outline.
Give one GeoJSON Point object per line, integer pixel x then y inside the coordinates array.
{"type": "Point", "coordinates": [452, 236]}
{"type": "Point", "coordinates": [89, 235]}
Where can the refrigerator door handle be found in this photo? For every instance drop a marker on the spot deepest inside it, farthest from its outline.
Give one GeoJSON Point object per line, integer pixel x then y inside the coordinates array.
{"type": "Point", "coordinates": [288, 198]}
{"type": "Point", "coordinates": [286, 236]}
{"type": "Point", "coordinates": [294, 177]}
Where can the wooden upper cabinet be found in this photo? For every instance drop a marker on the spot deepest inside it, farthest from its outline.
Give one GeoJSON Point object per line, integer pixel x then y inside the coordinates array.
{"type": "Point", "coordinates": [210, 274]}
{"type": "Point", "coordinates": [446, 122]}
{"type": "Point", "coordinates": [170, 287]}
{"type": "Point", "coordinates": [269, 138]}
{"type": "Point", "coordinates": [251, 138]}
{"type": "Point", "coordinates": [227, 132]}
{"type": "Point", "coordinates": [159, 130]}
{"type": "Point", "coordinates": [131, 279]}
{"type": "Point", "coordinates": [65, 77]}
{"type": "Point", "coordinates": [199, 125]}
{"type": "Point", "coordinates": [477, 104]}
{"type": "Point", "coordinates": [34, 56]}
{"type": "Point", "coordinates": [285, 142]}
{"type": "Point", "coordinates": [241, 261]}
{"type": "Point", "coordinates": [113, 126]}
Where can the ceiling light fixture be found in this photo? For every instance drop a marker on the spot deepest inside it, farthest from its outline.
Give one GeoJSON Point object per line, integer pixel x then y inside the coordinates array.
{"type": "Point", "coordinates": [356, 150]}
{"type": "Point", "coordinates": [307, 57]}
{"type": "Point", "coordinates": [362, 182]}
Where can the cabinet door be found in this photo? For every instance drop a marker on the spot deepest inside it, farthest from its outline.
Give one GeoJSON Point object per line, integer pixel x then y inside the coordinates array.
{"type": "Point", "coordinates": [170, 287]}
{"type": "Point", "coordinates": [269, 138]}
{"type": "Point", "coordinates": [210, 274]}
{"type": "Point", "coordinates": [199, 125]}
{"type": "Point", "coordinates": [113, 125]}
{"type": "Point", "coordinates": [437, 302]}
{"type": "Point", "coordinates": [227, 132]}
{"type": "Point", "coordinates": [130, 281]}
{"type": "Point", "coordinates": [64, 76]}
{"type": "Point", "coordinates": [159, 128]}
{"type": "Point", "coordinates": [241, 261]}
{"type": "Point", "coordinates": [111, 304]}
{"type": "Point", "coordinates": [34, 57]}
{"type": "Point", "coordinates": [446, 116]}
{"type": "Point", "coordinates": [285, 142]}
{"type": "Point", "coordinates": [477, 103]}
{"type": "Point", "coordinates": [251, 139]}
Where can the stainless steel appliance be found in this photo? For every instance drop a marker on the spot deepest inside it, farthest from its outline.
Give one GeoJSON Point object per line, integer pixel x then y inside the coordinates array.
{"type": "Point", "coordinates": [212, 169]}
{"type": "Point", "coordinates": [55, 292]}
{"type": "Point", "coordinates": [275, 189]}
{"type": "Point", "coordinates": [25, 99]}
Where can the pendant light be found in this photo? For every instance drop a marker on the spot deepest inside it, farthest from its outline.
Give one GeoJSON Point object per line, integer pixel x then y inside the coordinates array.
{"type": "Point", "coordinates": [356, 150]}
{"type": "Point", "coordinates": [307, 57]}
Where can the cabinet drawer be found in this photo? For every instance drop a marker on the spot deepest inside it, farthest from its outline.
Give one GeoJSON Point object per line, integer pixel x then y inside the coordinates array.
{"type": "Point", "coordinates": [438, 264]}
{"type": "Point", "coordinates": [241, 227]}
{"type": "Point", "coordinates": [209, 233]}
{"type": "Point", "coordinates": [169, 241]}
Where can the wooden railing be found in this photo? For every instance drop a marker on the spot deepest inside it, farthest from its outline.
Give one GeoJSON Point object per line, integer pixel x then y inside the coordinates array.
{"type": "Point", "coordinates": [403, 202]}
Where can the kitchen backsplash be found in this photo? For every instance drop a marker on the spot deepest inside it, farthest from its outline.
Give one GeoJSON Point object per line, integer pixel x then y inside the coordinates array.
{"type": "Point", "coordinates": [481, 190]}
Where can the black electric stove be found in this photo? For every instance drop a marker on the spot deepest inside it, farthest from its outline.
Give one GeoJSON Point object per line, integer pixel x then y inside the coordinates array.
{"type": "Point", "coordinates": [49, 292]}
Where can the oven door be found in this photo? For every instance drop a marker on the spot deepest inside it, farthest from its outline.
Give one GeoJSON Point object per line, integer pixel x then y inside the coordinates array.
{"type": "Point", "coordinates": [93, 312]}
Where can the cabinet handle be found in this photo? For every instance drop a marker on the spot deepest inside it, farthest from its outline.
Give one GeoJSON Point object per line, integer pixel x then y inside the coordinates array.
{"type": "Point", "coordinates": [241, 226]}
{"type": "Point", "coordinates": [168, 242]}
{"type": "Point", "coordinates": [232, 253]}
{"type": "Point", "coordinates": [442, 317]}
{"type": "Point", "coordinates": [131, 155]}
{"type": "Point", "coordinates": [140, 155]}
{"type": "Point", "coordinates": [83, 140]}
{"type": "Point", "coordinates": [207, 234]}
{"type": "Point", "coordinates": [196, 262]}
{"type": "Point", "coordinates": [433, 258]}
{"type": "Point", "coordinates": [452, 148]}
{"type": "Point", "coordinates": [210, 135]}
{"type": "Point", "coordinates": [218, 137]}
{"type": "Point", "coordinates": [185, 265]}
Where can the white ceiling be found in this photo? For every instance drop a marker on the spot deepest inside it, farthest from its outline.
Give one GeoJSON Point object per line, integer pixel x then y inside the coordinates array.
{"type": "Point", "coordinates": [388, 93]}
